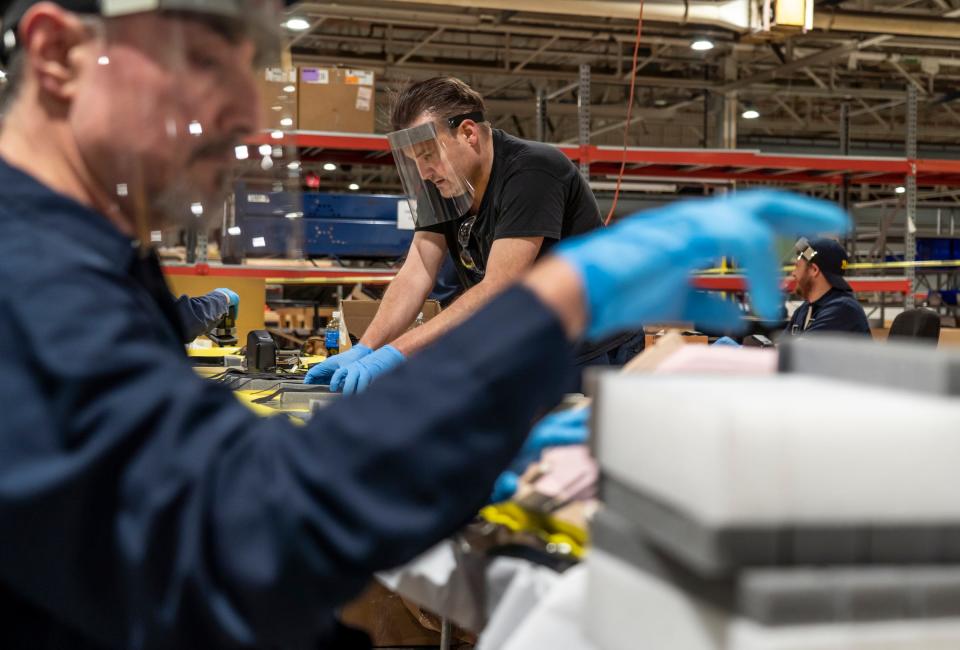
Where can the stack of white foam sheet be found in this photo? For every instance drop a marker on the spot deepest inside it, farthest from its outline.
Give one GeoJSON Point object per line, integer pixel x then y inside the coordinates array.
{"type": "Point", "coordinates": [762, 513]}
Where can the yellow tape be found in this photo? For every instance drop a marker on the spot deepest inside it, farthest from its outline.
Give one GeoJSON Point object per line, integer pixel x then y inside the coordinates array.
{"type": "Point", "coordinates": [546, 528]}
{"type": "Point", "coordinates": [357, 279]}
{"type": "Point", "coordinates": [212, 353]}
{"type": "Point", "coordinates": [862, 266]}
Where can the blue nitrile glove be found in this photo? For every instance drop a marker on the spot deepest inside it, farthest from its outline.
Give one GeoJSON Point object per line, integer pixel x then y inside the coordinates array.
{"type": "Point", "coordinates": [355, 378]}
{"type": "Point", "coordinates": [726, 341]}
{"type": "Point", "coordinates": [555, 430]}
{"type": "Point", "coordinates": [323, 372]}
{"type": "Point", "coordinates": [233, 300]}
{"type": "Point", "coordinates": [639, 269]}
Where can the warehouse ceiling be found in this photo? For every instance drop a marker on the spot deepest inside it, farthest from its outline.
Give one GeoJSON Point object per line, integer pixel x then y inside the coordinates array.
{"type": "Point", "coordinates": [798, 82]}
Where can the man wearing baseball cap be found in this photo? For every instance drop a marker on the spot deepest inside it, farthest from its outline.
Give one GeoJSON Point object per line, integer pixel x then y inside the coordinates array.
{"type": "Point", "coordinates": [829, 304]}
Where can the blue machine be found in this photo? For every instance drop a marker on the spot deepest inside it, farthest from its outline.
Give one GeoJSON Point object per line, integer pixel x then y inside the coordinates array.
{"type": "Point", "coordinates": [357, 226]}
{"type": "Point", "coordinates": [266, 231]}
{"type": "Point", "coordinates": [354, 225]}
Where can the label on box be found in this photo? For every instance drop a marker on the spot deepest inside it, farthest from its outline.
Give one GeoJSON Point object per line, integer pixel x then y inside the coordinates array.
{"type": "Point", "coordinates": [258, 198]}
{"type": "Point", "coordinates": [364, 98]}
{"type": "Point", "coordinates": [279, 75]}
{"type": "Point", "coordinates": [358, 77]}
{"type": "Point", "coordinates": [315, 75]}
{"type": "Point", "coordinates": [405, 215]}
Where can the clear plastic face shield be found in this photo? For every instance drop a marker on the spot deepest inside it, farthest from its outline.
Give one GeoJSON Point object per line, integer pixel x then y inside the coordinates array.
{"type": "Point", "coordinates": [192, 140]}
{"type": "Point", "coordinates": [436, 190]}
{"type": "Point", "coordinates": [803, 250]}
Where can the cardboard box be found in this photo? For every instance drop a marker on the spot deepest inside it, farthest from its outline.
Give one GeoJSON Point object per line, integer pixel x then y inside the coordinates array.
{"type": "Point", "coordinates": [278, 98]}
{"type": "Point", "coordinates": [336, 99]}
{"type": "Point", "coordinates": [356, 316]}
{"type": "Point", "coordinates": [949, 337]}
{"type": "Point", "coordinates": [384, 616]}
{"type": "Point", "coordinates": [689, 337]}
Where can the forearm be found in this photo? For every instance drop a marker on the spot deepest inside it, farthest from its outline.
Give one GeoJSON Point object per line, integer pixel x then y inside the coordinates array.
{"type": "Point", "coordinates": [198, 315]}
{"type": "Point", "coordinates": [400, 306]}
{"type": "Point", "coordinates": [319, 545]}
{"type": "Point", "coordinates": [465, 306]}
{"type": "Point", "coordinates": [558, 286]}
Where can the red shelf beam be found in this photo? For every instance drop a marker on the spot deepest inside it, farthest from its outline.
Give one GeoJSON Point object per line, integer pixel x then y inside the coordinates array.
{"type": "Point", "coordinates": [732, 283]}
{"type": "Point", "coordinates": [369, 276]}
{"type": "Point", "coordinates": [736, 283]}
{"type": "Point", "coordinates": [689, 164]}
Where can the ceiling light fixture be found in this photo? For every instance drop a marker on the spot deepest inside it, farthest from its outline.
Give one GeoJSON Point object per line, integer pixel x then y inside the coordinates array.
{"type": "Point", "coordinates": [297, 24]}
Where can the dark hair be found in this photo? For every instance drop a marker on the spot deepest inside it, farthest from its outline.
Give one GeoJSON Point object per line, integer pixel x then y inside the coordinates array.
{"type": "Point", "coordinates": [11, 86]}
{"type": "Point", "coordinates": [442, 97]}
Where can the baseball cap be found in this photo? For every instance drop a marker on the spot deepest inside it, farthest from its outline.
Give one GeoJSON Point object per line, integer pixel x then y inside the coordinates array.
{"type": "Point", "coordinates": [829, 256]}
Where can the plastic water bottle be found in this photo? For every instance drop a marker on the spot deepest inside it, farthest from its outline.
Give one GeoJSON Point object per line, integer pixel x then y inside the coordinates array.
{"type": "Point", "coordinates": [419, 321]}
{"type": "Point", "coordinates": [332, 336]}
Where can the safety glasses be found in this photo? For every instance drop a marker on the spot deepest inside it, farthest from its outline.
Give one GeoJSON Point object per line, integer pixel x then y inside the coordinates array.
{"type": "Point", "coordinates": [804, 250]}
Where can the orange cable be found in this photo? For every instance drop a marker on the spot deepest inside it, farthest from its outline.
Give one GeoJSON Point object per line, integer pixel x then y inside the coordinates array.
{"type": "Point", "coordinates": [626, 126]}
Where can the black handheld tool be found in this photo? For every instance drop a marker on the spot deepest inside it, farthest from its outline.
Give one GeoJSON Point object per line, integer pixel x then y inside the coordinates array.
{"type": "Point", "coordinates": [261, 352]}
{"type": "Point", "coordinates": [224, 333]}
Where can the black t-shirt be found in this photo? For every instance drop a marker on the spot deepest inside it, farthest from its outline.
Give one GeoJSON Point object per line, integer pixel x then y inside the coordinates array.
{"type": "Point", "coordinates": [534, 191]}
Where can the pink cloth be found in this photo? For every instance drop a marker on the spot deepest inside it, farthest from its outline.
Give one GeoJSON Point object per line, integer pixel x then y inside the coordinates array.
{"type": "Point", "coordinates": [720, 359]}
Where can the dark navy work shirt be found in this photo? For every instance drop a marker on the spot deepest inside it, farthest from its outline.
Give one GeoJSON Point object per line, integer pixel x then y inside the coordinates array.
{"type": "Point", "coordinates": [835, 311]}
{"type": "Point", "coordinates": [144, 507]}
{"type": "Point", "coordinates": [199, 314]}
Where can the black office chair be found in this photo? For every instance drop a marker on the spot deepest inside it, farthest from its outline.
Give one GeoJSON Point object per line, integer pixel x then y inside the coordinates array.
{"type": "Point", "coordinates": [922, 324]}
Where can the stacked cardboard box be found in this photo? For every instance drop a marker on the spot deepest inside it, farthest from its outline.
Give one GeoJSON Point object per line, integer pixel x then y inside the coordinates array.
{"type": "Point", "coordinates": [278, 98]}
{"type": "Point", "coordinates": [318, 99]}
{"type": "Point", "coordinates": [336, 99]}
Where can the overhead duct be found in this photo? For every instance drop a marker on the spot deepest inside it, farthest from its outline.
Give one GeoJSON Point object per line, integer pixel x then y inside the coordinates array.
{"type": "Point", "coordinates": [897, 24]}
{"type": "Point", "coordinates": [737, 15]}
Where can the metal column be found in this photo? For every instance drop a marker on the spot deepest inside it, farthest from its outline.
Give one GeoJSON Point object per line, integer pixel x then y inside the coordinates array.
{"type": "Point", "coordinates": [541, 116]}
{"type": "Point", "coordinates": [851, 243]}
{"type": "Point", "coordinates": [190, 245]}
{"type": "Point", "coordinates": [202, 245]}
{"type": "Point", "coordinates": [729, 112]}
{"type": "Point", "coordinates": [583, 112]}
{"type": "Point", "coordinates": [910, 231]}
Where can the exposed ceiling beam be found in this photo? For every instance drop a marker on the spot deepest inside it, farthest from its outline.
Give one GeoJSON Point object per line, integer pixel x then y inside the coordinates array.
{"type": "Point", "coordinates": [823, 56]}
{"type": "Point", "coordinates": [789, 111]}
{"type": "Point", "coordinates": [381, 66]}
{"type": "Point", "coordinates": [872, 111]}
{"type": "Point", "coordinates": [906, 75]}
{"type": "Point", "coordinates": [416, 48]}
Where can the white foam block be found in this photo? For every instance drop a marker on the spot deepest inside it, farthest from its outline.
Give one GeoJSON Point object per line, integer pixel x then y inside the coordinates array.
{"type": "Point", "coordinates": [626, 608]}
{"type": "Point", "coordinates": [782, 449]}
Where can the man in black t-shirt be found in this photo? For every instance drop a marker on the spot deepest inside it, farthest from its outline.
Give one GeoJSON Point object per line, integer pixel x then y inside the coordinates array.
{"type": "Point", "coordinates": [489, 201]}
